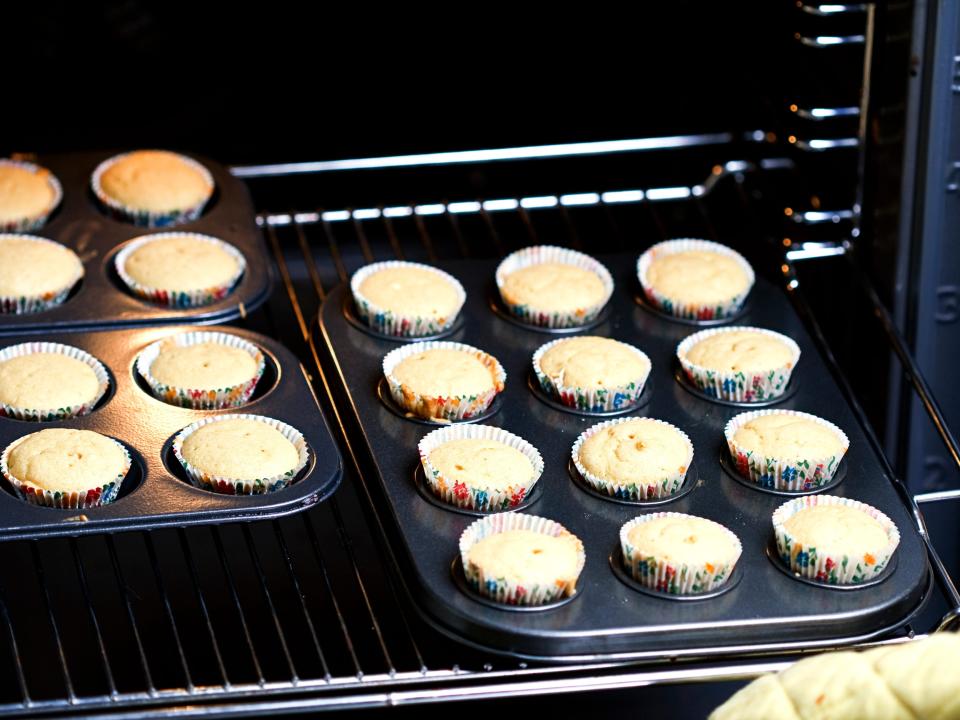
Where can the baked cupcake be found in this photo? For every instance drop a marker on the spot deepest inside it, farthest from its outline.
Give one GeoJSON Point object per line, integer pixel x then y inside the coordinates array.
{"type": "Point", "coordinates": [593, 374]}
{"type": "Point", "coordinates": [28, 195]}
{"type": "Point", "coordinates": [49, 381]}
{"type": "Point", "coordinates": [202, 370]}
{"type": "Point", "coordinates": [678, 554]}
{"type": "Point", "coordinates": [406, 299]}
{"type": "Point", "coordinates": [553, 287]}
{"type": "Point", "coordinates": [784, 449]}
{"type": "Point", "coordinates": [241, 454]}
{"type": "Point", "coordinates": [633, 458]}
{"type": "Point", "coordinates": [521, 559]}
{"type": "Point", "coordinates": [153, 188]}
{"type": "Point", "coordinates": [65, 468]}
{"type": "Point", "coordinates": [695, 279]}
{"type": "Point", "coordinates": [834, 540]}
{"type": "Point", "coordinates": [740, 364]}
{"type": "Point", "coordinates": [443, 381]}
{"type": "Point", "coordinates": [35, 273]}
{"type": "Point", "coordinates": [180, 270]}
{"type": "Point", "coordinates": [479, 467]}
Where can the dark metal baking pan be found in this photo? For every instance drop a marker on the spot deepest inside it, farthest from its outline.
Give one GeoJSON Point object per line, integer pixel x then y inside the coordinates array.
{"type": "Point", "coordinates": [156, 491]}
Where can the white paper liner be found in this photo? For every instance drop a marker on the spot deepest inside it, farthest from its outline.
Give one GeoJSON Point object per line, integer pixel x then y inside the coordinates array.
{"type": "Point", "coordinates": [503, 590]}
{"type": "Point", "coordinates": [463, 495]}
{"type": "Point", "coordinates": [662, 488]}
{"type": "Point", "coordinates": [61, 413]}
{"type": "Point", "coordinates": [817, 564]}
{"type": "Point", "coordinates": [681, 579]}
{"type": "Point", "coordinates": [454, 408]}
{"type": "Point", "coordinates": [229, 396]}
{"type": "Point", "coordinates": [389, 322]}
{"type": "Point", "coordinates": [787, 474]}
{"type": "Point", "coordinates": [21, 304]}
{"type": "Point", "coordinates": [149, 218]}
{"type": "Point", "coordinates": [752, 386]}
{"type": "Point", "coordinates": [234, 486]}
{"type": "Point", "coordinates": [545, 317]}
{"type": "Point", "coordinates": [73, 500]}
{"type": "Point", "coordinates": [28, 224]}
{"type": "Point", "coordinates": [692, 311]}
{"type": "Point", "coordinates": [591, 399]}
{"type": "Point", "coordinates": [179, 298]}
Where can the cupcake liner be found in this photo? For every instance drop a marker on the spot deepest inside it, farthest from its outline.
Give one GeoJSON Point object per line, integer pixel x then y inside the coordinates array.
{"type": "Point", "coordinates": [29, 224]}
{"type": "Point", "coordinates": [148, 218]}
{"type": "Point", "coordinates": [786, 474]}
{"type": "Point", "coordinates": [503, 590]}
{"type": "Point", "coordinates": [662, 488]}
{"type": "Point", "coordinates": [233, 486]}
{"type": "Point", "coordinates": [74, 500]}
{"type": "Point", "coordinates": [230, 396]}
{"type": "Point", "coordinates": [755, 386]}
{"type": "Point", "coordinates": [692, 311]}
{"type": "Point", "coordinates": [462, 495]}
{"type": "Point", "coordinates": [453, 408]}
{"type": "Point", "coordinates": [178, 298]}
{"type": "Point", "coordinates": [591, 399]}
{"type": "Point", "coordinates": [61, 413]}
{"type": "Point", "coordinates": [682, 579]}
{"type": "Point", "coordinates": [815, 564]}
{"type": "Point", "coordinates": [390, 323]}
{"type": "Point", "coordinates": [544, 317]}
{"type": "Point", "coordinates": [22, 304]}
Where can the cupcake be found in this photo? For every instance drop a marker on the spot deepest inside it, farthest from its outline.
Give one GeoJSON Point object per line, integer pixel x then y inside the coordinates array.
{"type": "Point", "coordinates": [784, 449]}
{"type": "Point", "coordinates": [633, 458]}
{"type": "Point", "coordinates": [443, 381]}
{"type": "Point", "coordinates": [695, 279]}
{"type": "Point", "coordinates": [592, 374]}
{"type": "Point", "coordinates": [479, 467]}
{"type": "Point", "coordinates": [49, 381]}
{"type": "Point", "coordinates": [406, 299]}
{"type": "Point", "coordinates": [553, 287]}
{"type": "Point", "coordinates": [28, 195]}
{"type": "Point", "coordinates": [740, 364]}
{"type": "Point", "coordinates": [521, 559]}
{"type": "Point", "coordinates": [35, 273]}
{"type": "Point", "coordinates": [65, 468]}
{"type": "Point", "coordinates": [678, 554]}
{"type": "Point", "coordinates": [241, 454]}
{"type": "Point", "coordinates": [180, 270]}
{"type": "Point", "coordinates": [153, 188]}
{"type": "Point", "coordinates": [202, 370]}
{"type": "Point", "coordinates": [834, 540]}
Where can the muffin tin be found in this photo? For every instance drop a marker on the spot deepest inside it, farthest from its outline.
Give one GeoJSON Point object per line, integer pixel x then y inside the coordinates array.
{"type": "Point", "coordinates": [156, 491]}
{"type": "Point", "coordinates": [612, 619]}
{"type": "Point", "coordinates": [100, 299]}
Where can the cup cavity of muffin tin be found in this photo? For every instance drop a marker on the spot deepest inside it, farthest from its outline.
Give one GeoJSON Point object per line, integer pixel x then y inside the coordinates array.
{"type": "Point", "coordinates": [616, 565]}
{"type": "Point", "coordinates": [691, 482]}
{"type": "Point", "coordinates": [421, 484]}
{"type": "Point", "coordinates": [383, 393]}
{"type": "Point", "coordinates": [500, 310]}
{"type": "Point", "coordinates": [350, 313]}
{"type": "Point", "coordinates": [541, 395]}
{"type": "Point", "coordinates": [730, 468]}
{"type": "Point", "coordinates": [773, 556]}
{"type": "Point", "coordinates": [460, 580]}
{"type": "Point", "coordinates": [684, 382]}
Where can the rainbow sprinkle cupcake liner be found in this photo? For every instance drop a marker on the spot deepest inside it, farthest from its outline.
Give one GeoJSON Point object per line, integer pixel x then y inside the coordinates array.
{"type": "Point", "coordinates": [674, 578]}
{"type": "Point", "coordinates": [234, 486]}
{"type": "Point", "coordinates": [178, 298]}
{"type": "Point", "coordinates": [738, 386]}
{"type": "Point", "coordinates": [29, 224]}
{"type": "Point", "coordinates": [785, 474]}
{"type": "Point", "coordinates": [603, 399]}
{"type": "Point", "coordinates": [692, 311]}
{"type": "Point", "coordinates": [542, 317]}
{"type": "Point", "coordinates": [23, 304]}
{"type": "Point", "coordinates": [407, 326]}
{"type": "Point", "coordinates": [460, 494]}
{"type": "Point", "coordinates": [661, 488]}
{"type": "Point", "coordinates": [453, 408]}
{"type": "Point", "coordinates": [62, 413]}
{"type": "Point", "coordinates": [820, 565]}
{"type": "Point", "coordinates": [503, 590]}
{"type": "Point", "coordinates": [148, 218]}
